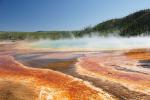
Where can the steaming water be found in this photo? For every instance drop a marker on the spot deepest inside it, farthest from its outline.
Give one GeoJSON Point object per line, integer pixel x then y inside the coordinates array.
{"type": "Point", "coordinates": [95, 43]}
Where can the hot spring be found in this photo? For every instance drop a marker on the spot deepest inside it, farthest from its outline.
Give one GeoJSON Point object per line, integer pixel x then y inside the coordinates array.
{"type": "Point", "coordinates": [94, 43]}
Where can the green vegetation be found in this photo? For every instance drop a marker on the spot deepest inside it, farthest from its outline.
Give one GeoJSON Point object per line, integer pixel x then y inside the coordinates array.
{"type": "Point", "coordinates": [134, 24]}
{"type": "Point", "coordinates": [33, 35]}
{"type": "Point", "coordinates": [42, 35]}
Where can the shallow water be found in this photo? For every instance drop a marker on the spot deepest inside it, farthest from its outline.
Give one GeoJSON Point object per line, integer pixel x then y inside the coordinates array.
{"type": "Point", "coordinates": [94, 43]}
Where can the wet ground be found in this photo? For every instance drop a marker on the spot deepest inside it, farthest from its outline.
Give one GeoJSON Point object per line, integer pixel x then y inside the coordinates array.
{"type": "Point", "coordinates": [20, 82]}
{"type": "Point", "coordinates": [122, 75]}
{"type": "Point", "coordinates": [67, 65]}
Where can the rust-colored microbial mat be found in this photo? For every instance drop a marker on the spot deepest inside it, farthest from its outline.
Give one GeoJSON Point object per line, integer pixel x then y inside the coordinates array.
{"type": "Point", "coordinates": [127, 71]}
{"type": "Point", "coordinates": [19, 82]}
{"type": "Point", "coordinates": [48, 75]}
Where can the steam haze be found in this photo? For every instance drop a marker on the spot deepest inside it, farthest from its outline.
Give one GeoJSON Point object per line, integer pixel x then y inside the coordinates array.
{"type": "Point", "coordinates": [96, 43]}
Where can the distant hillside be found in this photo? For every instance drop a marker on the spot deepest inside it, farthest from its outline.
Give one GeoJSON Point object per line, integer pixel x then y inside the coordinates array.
{"type": "Point", "coordinates": [134, 24]}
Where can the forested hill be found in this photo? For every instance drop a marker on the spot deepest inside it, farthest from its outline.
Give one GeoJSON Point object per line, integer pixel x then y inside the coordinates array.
{"type": "Point", "coordinates": [134, 24]}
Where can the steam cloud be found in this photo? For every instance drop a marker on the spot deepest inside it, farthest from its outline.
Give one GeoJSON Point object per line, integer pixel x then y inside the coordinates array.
{"type": "Point", "coordinates": [101, 43]}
